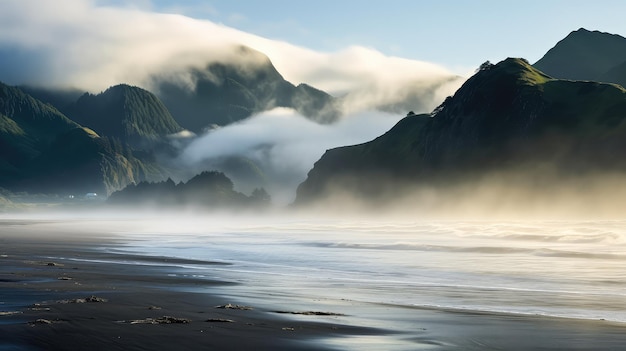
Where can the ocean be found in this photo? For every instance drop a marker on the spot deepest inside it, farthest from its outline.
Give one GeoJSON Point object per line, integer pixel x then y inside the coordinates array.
{"type": "Point", "coordinates": [566, 269]}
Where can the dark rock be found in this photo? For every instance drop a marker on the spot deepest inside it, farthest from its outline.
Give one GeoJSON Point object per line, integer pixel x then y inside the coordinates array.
{"type": "Point", "coordinates": [234, 307]}
{"type": "Point", "coordinates": [161, 320]}
{"type": "Point", "coordinates": [85, 300]}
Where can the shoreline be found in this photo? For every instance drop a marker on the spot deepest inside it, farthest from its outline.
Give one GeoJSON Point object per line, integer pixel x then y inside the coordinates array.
{"type": "Point", "coordinates": [62, 295]}
{"type": "Point", "coordinates": [72, 291]}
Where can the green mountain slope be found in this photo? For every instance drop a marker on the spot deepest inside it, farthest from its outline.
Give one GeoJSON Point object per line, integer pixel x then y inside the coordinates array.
{"type": "Point", "coordinates": [27, 126]}
{"type": "Point", "coordinates": [78, 162]}
{"type": "Point", "coordinates": [507, 116]}
{"type": "Point", "coordinates": [228, 92]}
{"type": "Point", "coordinates": [129, 113]}
{"type": "Point", "coordinates": [584, 55]}
{"type": "Point", "coordinates": [41, 150]}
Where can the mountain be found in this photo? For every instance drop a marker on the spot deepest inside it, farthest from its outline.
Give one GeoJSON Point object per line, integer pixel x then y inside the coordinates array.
{"type": "Point", "coordinates": [79, 161]}
{"type": "Point", "coordinates": [615, 75]}
{"type": "Point", "coordinates": [226, 92]}
{"type": "Point", "coordinates": [507, 117]}
{"type": "Point", "coordinates": [586, 55]}
{"type": "Point", "coordinates": [128, 113]}
{"type": "Point", "coordinates": [41, 150]}
{"type": "Point", "coordinates": [27, 126]}
{"type": "Point", "coordinates": [207, 189]}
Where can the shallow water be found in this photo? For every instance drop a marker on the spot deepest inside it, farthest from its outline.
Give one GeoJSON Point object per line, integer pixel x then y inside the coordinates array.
{"type": "Point", "coordinates": [562, 269]}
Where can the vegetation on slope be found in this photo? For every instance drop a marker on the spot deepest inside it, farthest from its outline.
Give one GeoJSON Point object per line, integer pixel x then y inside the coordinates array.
{"type": "Point", "coordinates": [27, 126]}
{"type": "Point", "coordinates": [129, 113]}
{"type": "Point", "coordinates": [504, 117]}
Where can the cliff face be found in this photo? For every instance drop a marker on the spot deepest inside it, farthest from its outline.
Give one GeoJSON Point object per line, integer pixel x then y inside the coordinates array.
{"type": "Point", "coordinates": [505, 117]}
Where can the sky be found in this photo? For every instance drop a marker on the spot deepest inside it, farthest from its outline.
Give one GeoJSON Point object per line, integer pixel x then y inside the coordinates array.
{"type": "Point", "coordinates": [92, 44]}
{"type": "Point", "coordinates": [458, 34]}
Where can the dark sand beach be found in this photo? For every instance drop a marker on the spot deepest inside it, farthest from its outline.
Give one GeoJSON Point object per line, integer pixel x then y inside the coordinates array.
{"type": "Point", "coordinates": [74, 302]}
{"type": "Point", "coordinates": [63, 292]}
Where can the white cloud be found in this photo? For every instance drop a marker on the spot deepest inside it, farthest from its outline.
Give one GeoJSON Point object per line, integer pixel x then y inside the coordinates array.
{"type": "Point", "coordinates": [84, 44]}
{"type": "Point", "coordinates": [283, 144]}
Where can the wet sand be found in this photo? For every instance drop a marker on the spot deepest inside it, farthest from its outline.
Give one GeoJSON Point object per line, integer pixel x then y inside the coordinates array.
{"type": "Point", "coordinates": [55, 295]}
{"type": "Point", "coordinates": [60, 290]}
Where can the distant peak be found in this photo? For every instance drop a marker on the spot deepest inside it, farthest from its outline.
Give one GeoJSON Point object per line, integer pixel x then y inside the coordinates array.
{"type": "Point", "coordinates": [517, 61]}
{"type": "Point", "coordinates": [592, 33]}
{"type": "Point", "coordinates": [123, 87]}
{"type": "Point", "coordinates": [518, 67]}
{"type": "Point", "coordinates": [249, 54]}
{"type": "Point", "coordinates": [584, 55]}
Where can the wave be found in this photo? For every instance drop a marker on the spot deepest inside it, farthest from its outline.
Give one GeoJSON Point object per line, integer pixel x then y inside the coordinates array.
{"type": "Point", "coordinates": [575, 315]}
{"type": "Point", "coordinates": [495, 250]}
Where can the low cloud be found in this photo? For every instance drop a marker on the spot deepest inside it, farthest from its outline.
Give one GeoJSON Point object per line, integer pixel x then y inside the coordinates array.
{"type": "Point", "coordinates": [283, 144]}
{"type": "Point", "coordinates": [77, 43]}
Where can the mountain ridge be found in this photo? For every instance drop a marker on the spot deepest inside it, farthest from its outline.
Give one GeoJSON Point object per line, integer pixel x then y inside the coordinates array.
{"type": "Point", "coordinates": [586, 55]}
{"type": "Point", "coordinates": [506, 116]}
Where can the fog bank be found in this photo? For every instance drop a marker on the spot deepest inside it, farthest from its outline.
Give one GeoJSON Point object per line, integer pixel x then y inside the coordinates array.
{"type": "Point", "coordinates": [525, 193]}
{"type": "Point", "coordinates": [281, 143]}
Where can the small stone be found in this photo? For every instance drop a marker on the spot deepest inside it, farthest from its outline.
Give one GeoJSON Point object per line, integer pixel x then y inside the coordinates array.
{"type": "Point", "coordinates": [9, 313]}
{"type": "Point", "coordinates": [161, 320]}
{"type": "Point", "coordinates": [234, 307]}
{"type": "Point", "coordinates": [41, 321]}
{"type": "Point", "coordinates": [39, 308]}
{"type": "Point", "coordinates": [95, 299]}
{"type": "Point", "coordinates": [91, 298]}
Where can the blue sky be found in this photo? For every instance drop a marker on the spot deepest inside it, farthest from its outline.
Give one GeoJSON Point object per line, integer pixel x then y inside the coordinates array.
{"type": "Point", "coordinates": [457, 34]}
{"type": "Point", "coordinates": [337, 46]}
